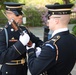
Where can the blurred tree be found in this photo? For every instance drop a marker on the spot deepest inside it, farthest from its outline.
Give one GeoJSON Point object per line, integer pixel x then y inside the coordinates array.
{"type": "Point", "coordinates": [66, 1]}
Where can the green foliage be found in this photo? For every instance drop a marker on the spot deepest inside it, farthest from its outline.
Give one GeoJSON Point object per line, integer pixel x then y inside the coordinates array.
{"type": "Point", "coordinates": [72, 21]}
{"type": "Point", "coordinates": [3, 19]}
{"type": "Point", "coordinates": [41, 2]}
{"type": "Point", "coordinates": [33, 10]}
{"type": "Point", "coordinates": [74, 30]}
{"type": "Point", "coordinates": [33, 16]}
{"type": "Point", "coordinates": [72, 1]}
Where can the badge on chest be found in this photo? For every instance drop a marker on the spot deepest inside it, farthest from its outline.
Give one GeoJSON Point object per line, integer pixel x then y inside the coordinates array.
{"type": "Point", "coordinates": [13, 39]}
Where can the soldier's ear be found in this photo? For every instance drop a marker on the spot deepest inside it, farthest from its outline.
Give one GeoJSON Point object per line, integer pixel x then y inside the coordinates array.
{"type": "Point", "coordinates": [57, 20]}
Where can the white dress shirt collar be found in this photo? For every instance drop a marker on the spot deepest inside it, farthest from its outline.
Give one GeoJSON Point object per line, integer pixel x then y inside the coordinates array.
{"type": "Point", "coordinates": [59, 30]}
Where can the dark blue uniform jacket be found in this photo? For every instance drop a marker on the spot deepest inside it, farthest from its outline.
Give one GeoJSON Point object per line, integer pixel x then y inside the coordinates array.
{"type": "Point", "coordinates": [46, 61]}
{"type": "Point", "coordinates": [15, 49]}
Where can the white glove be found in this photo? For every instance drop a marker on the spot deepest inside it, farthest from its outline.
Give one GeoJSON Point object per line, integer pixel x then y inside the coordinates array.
{"type": "Point", "coordinates": [38, 51]}
{"type": "Point", "coordinates": [33, 46]}
{"type": "Point", "coordinates": [24, 39]}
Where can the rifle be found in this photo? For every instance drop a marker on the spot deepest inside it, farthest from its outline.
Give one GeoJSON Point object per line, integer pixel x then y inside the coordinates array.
{"type": "Point", "coordinates": [16, 27]}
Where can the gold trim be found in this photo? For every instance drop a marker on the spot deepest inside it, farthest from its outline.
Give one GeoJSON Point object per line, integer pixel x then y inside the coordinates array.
{"type": "Point", "coordinates": [17, 62]}
{"type": "Point", "coordinates": [58, 9]}
{"type": "Point", "coordinates": [13, 7]}
{"type": "Point", "coordinates": [57, 52]}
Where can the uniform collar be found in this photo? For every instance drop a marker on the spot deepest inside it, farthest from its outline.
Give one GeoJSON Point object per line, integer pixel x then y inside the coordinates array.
{"type": "Point", "coordinates": [59, 30]}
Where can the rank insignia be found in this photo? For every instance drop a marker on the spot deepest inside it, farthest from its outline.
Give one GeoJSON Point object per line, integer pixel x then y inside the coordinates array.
{"type": "Point", "coordinates": [13, 40]}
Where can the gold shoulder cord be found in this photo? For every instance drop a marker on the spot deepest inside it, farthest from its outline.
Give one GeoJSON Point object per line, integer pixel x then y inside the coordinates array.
{"type": "Point", "coordinates": [55, 40]}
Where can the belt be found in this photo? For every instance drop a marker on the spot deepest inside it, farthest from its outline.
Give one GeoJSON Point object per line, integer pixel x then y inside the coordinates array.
{"type": "Point", "coordinates": [17, 62]}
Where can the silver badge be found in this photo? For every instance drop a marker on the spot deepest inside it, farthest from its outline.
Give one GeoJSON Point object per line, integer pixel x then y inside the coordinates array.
{"type": "Point", "coordinates": [12, 29]}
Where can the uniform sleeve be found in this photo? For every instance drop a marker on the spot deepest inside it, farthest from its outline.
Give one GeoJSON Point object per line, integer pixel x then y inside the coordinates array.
{"type": "Point", "coordinates": [7, 54]}
{"type": "Point", "coordinates": [43, 62]}
{"type": "Point", "coordinates": [33, 38]}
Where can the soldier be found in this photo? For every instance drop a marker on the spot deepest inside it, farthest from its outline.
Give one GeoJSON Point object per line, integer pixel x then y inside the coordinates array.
{"type": "Point", "coordinates": [13, 56]}
{"type": "Point", "coordinates": [57, 55]}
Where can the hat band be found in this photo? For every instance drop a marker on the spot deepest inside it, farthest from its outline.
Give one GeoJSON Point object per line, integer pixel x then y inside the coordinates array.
{"type": "Point", "coordinates": [58, 9]}
{"type": "Point", "coordinates": [59, 12]}
{"type": "Point", "coordinates": [13, 7]}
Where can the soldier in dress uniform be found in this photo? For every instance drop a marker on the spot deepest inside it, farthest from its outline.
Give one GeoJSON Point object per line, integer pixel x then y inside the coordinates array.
{"type": "Point", "coordinates": [13, 56]}
{"type": "Point", "coordinates": [57, 55]}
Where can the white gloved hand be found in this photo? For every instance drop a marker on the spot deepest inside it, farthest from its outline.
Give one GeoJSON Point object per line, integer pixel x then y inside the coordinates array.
{"type": "Point", "coordinates": [33, 46]}
{"type": "Point", "coordinates": [38, 51]}
{"type": "Point", "coordinates": [24, 39]}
